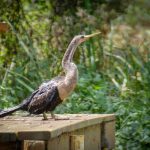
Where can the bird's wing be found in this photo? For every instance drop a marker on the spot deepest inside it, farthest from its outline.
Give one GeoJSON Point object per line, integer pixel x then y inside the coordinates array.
{"type": "Point", "coordinates": [46, 99]}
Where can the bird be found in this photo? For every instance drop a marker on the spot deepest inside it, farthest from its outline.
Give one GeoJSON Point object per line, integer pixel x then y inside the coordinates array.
{"type": "Point", "coordinates": [53, 92]}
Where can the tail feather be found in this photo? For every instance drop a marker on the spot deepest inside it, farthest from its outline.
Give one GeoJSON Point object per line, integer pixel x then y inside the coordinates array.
{"type": "Point", "coordinates": [22, 106]}
{"type": "Point", "coordinates": [4, 113]}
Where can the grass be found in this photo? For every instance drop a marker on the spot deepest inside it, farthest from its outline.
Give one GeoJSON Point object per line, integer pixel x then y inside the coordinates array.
{"type": "Point", "coordinates": [114, 68]}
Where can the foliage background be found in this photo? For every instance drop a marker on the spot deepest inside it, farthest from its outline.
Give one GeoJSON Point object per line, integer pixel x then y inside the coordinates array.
{"type": "Point", "coordinates": [114, 68]}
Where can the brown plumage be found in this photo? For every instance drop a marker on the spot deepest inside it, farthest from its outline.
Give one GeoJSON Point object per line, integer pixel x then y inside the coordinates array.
{"type": "Point", "coordinates": [50, 94]}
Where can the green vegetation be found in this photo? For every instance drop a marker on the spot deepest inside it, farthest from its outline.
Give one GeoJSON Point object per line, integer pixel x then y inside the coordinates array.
{"type": "Point", "coordinates": [114, 69]}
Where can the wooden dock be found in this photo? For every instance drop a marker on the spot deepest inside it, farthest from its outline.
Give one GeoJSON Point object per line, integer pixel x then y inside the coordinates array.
{"type": "Point", "coordinates": [79, 132]}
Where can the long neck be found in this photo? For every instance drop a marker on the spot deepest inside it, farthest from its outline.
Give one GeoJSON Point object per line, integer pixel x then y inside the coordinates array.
{"type": "Point", "coordinates": [71, 72]}
{"type": "Point", "coordinates": [69, 67]}
{"type": "Point", "coordinates": [67, 59]}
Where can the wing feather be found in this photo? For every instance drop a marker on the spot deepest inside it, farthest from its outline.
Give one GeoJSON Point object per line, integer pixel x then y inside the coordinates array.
{"type": "Point", "coordinates": [46, 99]}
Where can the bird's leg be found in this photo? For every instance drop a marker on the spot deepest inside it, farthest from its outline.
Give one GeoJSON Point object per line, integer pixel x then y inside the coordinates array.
{"type": "Point", "coordinates": [44, 116]}
{"type": "Point", "coordinates": [53, 115]}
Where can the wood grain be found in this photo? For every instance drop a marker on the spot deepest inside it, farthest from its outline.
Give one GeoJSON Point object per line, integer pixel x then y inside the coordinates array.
{"type": "Point", "coordinates": [34, 128]}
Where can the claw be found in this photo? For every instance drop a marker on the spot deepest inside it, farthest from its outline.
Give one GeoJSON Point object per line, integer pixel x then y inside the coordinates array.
{"type": "Point", "coordinates": [58, 118]}
{"type": "Point", "coordinates": [44, 116]}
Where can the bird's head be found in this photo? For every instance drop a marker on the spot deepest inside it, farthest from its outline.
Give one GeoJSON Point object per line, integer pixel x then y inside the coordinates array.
{"type": "Point", "coordinates": [72, 47]}
{"type": "Point", "coordinates": [81, 38]}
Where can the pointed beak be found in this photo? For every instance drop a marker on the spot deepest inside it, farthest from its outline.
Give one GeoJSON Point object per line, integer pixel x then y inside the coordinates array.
{"type": "Point", "coordinates": [86, 37]}
{"type": "Point", "coordinates": [91, 35]}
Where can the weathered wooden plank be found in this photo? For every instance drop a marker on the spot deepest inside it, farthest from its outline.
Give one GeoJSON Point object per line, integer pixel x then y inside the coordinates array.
{"type": "Point", "coordinates": [34, 128]}
{"type": "Point", "coordinates": [77, 142]}
{"type": "Point", "coordinates": [108, 135]}
{"type": "Point", "coordinates": [10, 145]}
{"type": "Point", "coordinates": [63, 126]}
{"type": "Point", "coordinates": [7, 136]}
{"type": "Point", "coordinates": [59, 143]}
{"type": "Point", "coordinates": [35, 135]}
{"type": "Point", "coordinates": [92, 136]}
{"type": "Point", "coordinates": [34, 145]}
{"type": "Point", "coordinates": [92, 139]}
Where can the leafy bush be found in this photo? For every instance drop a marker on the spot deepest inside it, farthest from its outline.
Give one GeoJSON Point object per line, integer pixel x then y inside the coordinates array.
{"type": "Point", "coordinates": [114, 75]}
{"type": "Point", "coordinates": [132, 113]}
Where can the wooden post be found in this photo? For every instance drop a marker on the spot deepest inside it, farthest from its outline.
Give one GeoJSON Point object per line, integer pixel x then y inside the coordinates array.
{"type": "Point", "coordinates": [108, 135]}
{"type": "Point", "coordinates": [77, 142]}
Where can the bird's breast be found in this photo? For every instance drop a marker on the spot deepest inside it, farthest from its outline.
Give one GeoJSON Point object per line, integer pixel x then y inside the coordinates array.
{"type": "Point", "coordinates": [65, 88]}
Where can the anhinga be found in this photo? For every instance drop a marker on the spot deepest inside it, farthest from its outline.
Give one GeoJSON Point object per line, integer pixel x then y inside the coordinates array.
{"type": "Point", "coordinates": [50, 94]}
